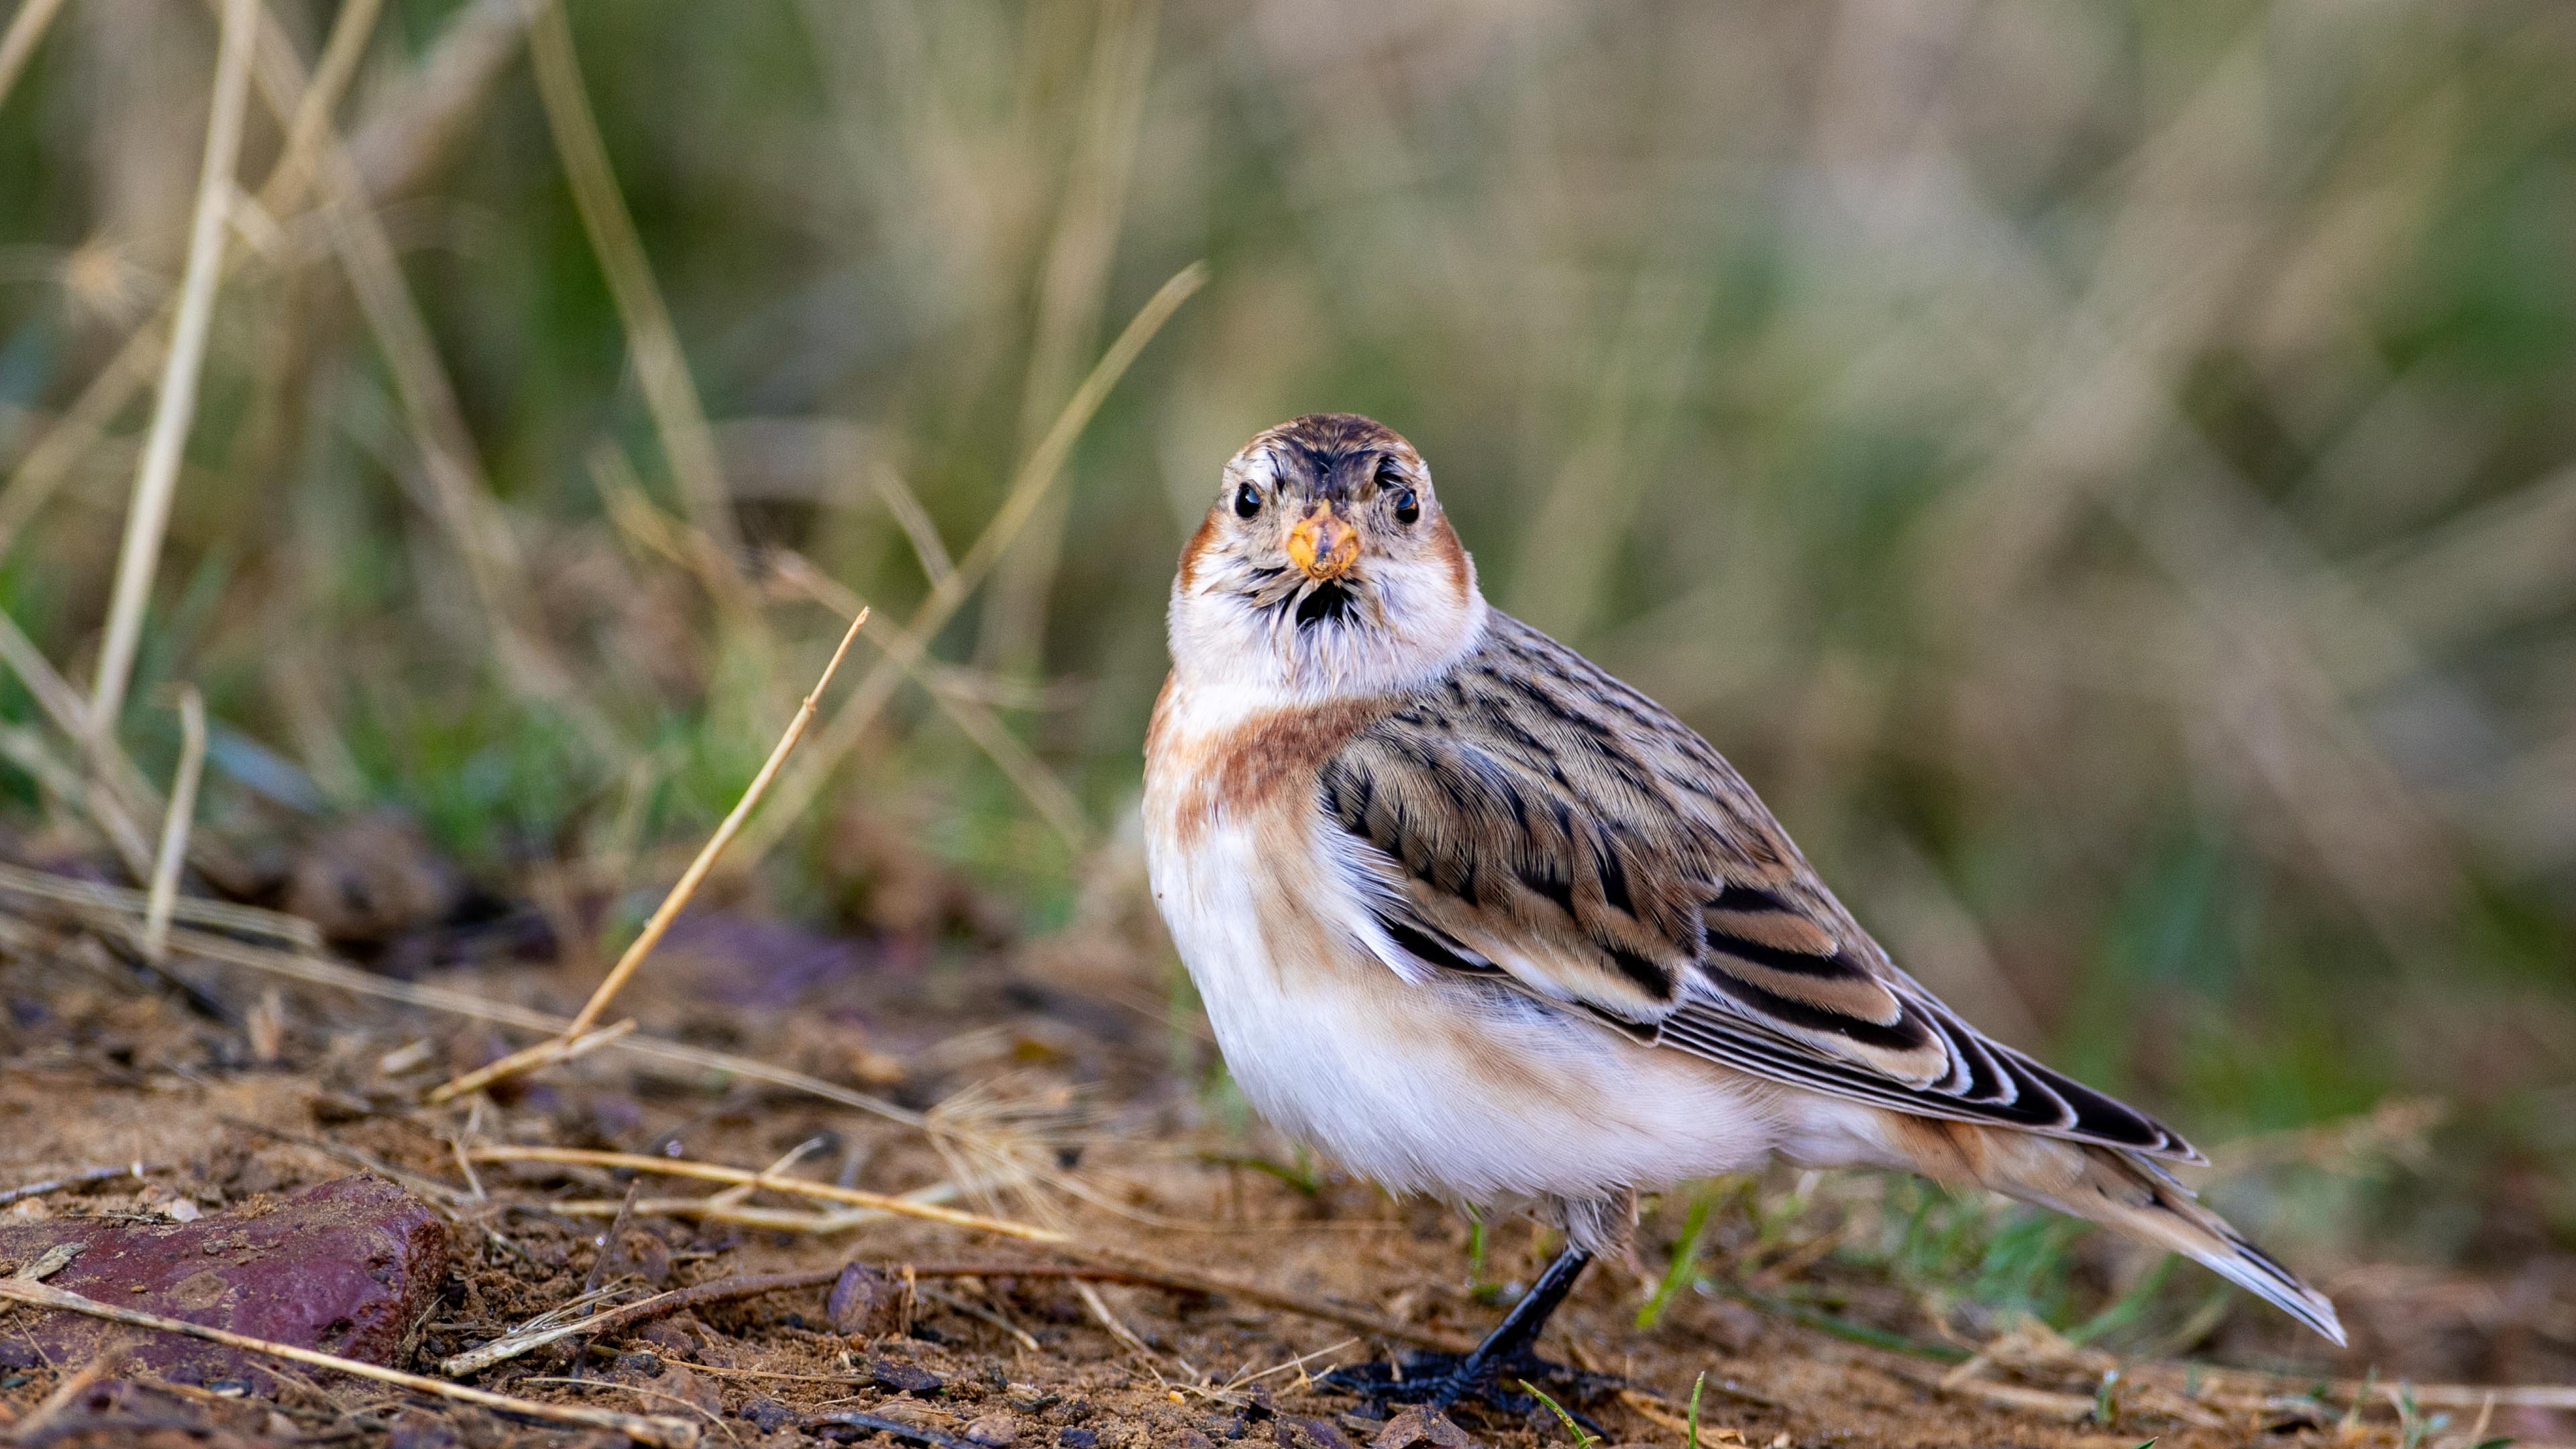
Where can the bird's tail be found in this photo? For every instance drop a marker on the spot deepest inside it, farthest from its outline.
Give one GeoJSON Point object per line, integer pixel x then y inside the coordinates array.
{"type": "Point", "coordinates": [2123, 1191]}
{"type": "Point", "coordinates": [2135, 1196]}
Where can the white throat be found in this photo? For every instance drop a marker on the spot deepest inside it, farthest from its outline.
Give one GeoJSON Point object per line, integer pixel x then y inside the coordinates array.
{"type": "Point", "coordinates": [1230, 651]}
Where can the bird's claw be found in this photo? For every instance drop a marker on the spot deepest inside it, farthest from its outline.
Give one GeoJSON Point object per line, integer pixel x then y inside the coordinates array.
{"type": "Point", "coordinates": [1447, 1380]}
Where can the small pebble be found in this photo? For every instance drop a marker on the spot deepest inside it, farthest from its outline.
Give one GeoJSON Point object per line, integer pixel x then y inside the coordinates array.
{"type": "Point", "coordinates": [869, 1302]}
{"type": "Point", "coordinates": [994, 1431]}
{"type": "Point", "coordinates": [1078, 1439]}
{"type": "Point", "coordinates": [230, 1388]}
{"type": "Point", "coordinates": [767, 1415]}
{"type": "Point", "coordinates": [904, 1378]}
{"type": "Point", "coordinates": [671, 1339]}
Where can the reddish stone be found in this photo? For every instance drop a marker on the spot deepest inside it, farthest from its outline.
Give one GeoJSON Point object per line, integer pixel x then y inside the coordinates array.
{"type": "Point", "coordinates": [346, 1267]}
{"type": "Point", "coordinates": [870, 1302]}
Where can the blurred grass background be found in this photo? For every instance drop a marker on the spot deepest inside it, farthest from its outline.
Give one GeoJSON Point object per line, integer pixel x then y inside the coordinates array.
{"type": "Point", "coordinates": [2106, 473]}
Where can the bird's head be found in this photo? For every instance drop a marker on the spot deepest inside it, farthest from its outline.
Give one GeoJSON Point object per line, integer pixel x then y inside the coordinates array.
{"type": "Point", "coordinates": [1325, 568]}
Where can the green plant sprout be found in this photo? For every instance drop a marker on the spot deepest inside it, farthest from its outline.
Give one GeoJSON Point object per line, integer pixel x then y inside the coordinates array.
{"type": "Point", "coordinates": [1581, 1439]}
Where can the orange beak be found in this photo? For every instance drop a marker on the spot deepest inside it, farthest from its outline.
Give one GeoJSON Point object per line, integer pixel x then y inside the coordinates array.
{"type": "Point", "coordinates": [1323, 545]}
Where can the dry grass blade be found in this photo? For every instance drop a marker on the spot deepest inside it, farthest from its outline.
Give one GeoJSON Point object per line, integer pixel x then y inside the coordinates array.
{"type": "Point", "coordinates": [76, 1179]}
{"type": "Point", "coordinates": [443, 100]}
{"type": "Point", "coordinates": [909, 515]}
{"type": "Point", "coordinates": [320, 971]}
{"type": "Point", "coordinates": [62, 706]}
{"type": "Point", "coordinates": [653, 1430]}
{"type": "Point", "coordinates": [350, 31]}
{"type": "Point", "coordinates": [678, 414]}
{"type": "Point", "coordinates": [1109, 1322]}
{"type": "Point", "coordinates": [117, 904]}
{"type": "Point", "coordinates": [54, 695]}
{"type": "Point", "coordinates": [785, 1220]}
{"type": "Point", "coordinates": [2041, 1403]}
{"type": "Point", "coordinates": [978, 1311]}
{"type": "Point", "coordinates": [1045, 793]}
{"type": "Point", "coordinates": [552, 1052]}
{"type": "Point", "coordinates": [741, 1193]}
{"type": "Point", "coordinates": [156, 481]}
{"type": "Point", "coordinates": [32, 1429]}
{"type": "Point", "coordinates": [662, 1305]}
{"type": "Point", "coordinates": [2180, 1387]}
{"type": "Point", "coordinates": [2219, 1384]}
{"type": "Point", "coordinates": [175, 825]}
{"type": "Point", "coordinates": [820, 1191]}
{"type": "Point", "coordinates": [1028, 490]}
{"type": "Point", "coordinates": [672, 903]}
{"type": "Point", "coordinates": [18, 46]}
{"type": "Point", "coordinates": [78, 428]}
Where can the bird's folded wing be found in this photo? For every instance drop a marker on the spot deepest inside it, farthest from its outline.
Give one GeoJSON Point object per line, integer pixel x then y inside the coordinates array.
{"type": "Point", "coordinates": [1533, 817]}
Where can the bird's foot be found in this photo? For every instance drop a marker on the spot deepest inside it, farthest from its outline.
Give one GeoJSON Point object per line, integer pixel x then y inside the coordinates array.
{"type": "Point", "coordinates": [1448, 1380]}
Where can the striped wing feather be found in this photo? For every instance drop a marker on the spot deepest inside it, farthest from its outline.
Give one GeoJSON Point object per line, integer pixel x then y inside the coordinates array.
{"type": "Point", "coordinates": [1532, 816]}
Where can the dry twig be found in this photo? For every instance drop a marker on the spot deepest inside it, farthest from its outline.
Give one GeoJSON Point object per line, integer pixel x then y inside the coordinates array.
{"type": "Point", "coordinates": [665, 1433]}
{"type": "Point", "coordinates": [713, 1172]}
{"type": "Point", "coordinates": [750, 1285]}
{"type": "Point", "coordinates": [76, 1179]}
{"type": "Point", "coordinates": [31, 1429]}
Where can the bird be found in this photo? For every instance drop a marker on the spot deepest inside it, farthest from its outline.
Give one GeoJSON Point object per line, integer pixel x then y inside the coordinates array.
{"type": "Point", "coordinates": [1478, 920]}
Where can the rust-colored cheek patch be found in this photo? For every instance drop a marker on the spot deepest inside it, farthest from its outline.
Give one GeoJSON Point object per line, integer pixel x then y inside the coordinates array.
{"type": "Point", "coordinates": [1199, 543]}
{"type": "Point", "coordinates": [1452, 555]}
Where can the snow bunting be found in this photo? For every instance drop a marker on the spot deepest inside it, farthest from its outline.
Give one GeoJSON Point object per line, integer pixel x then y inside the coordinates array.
{"type": "Point", "coordinates": [1477, 919]}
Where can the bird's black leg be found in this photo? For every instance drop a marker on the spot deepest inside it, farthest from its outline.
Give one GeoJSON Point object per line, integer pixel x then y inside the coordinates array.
{"type": "Point", "coordinates": [1513, 1340]}
{"type": "Point", "coordinates": [1495, 1371]}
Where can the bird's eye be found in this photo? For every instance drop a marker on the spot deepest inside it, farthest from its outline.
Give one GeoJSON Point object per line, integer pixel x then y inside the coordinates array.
{"type": "Point", "coordinates": [1408, 509]}
{"type": "Point", "coordinates": [1247, 501]}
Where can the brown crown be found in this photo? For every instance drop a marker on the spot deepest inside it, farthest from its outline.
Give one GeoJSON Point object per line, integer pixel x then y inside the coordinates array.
{"type": "Point", "coordinates": [1336, 452]}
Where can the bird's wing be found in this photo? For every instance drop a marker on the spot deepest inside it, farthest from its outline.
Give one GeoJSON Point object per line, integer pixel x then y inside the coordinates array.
{"type": "Point", "coordinates": [1530, 815]}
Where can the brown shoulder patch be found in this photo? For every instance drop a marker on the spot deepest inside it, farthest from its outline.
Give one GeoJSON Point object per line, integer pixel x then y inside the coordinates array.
{"type": "Point", "coordinates": [1268, 761]}
{"type": "Point", "coordinates": [1284, 750]}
